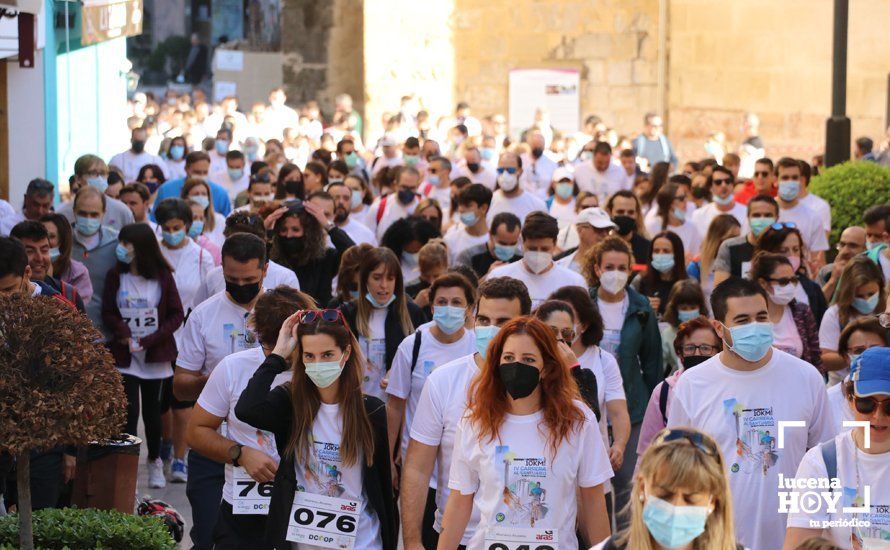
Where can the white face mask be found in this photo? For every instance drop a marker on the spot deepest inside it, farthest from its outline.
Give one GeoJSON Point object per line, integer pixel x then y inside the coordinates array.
{"type": "Point", "coordinates": [613, 282]}
{"type": "Point", "coordinates": [782, 295]}
{"type": "Point", "coordinates": [508, 181]}
{"type": "Point", "coordinates": [537, 261]}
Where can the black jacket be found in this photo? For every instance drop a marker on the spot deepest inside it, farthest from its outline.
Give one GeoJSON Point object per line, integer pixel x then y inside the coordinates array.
{"type": "Point", "coordinates": [272, 411]}
{"type": "Point", "coordinates": [393, 332]}
{"type": "Point", "coordinates": [316, 277]}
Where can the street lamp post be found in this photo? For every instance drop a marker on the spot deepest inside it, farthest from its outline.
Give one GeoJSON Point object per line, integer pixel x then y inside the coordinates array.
{"type": "Point", "coordinates": [837, 129]}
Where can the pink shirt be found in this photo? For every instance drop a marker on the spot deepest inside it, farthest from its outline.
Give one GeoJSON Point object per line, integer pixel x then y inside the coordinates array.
{"type": "Point", "coordinates": [208, 245]}
{"type": "Point", "coordinates": [78, 277]}
{"type": "Point", "coordinates": [653, 422]}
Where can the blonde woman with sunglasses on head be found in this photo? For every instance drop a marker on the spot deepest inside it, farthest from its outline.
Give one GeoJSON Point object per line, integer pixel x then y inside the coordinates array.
{"type": "Point", "coordinates": [680, 499]}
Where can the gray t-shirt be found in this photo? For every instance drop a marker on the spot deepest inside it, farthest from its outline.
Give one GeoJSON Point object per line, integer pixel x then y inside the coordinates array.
{"type": "Point", "coordinates": [117, 214]}
{"type": "Point", "coordinates": [722, 262]}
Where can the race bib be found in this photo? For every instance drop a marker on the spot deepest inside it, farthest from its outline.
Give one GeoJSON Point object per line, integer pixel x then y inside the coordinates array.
{"type": "Point", "coordinates": [323, 521]}
{"type": "Point", "coordinates": [141, 320]}
{"type": "Point", "coordinates": [249, 496]}
{"type": "Point", "coordinates": [500, 538]}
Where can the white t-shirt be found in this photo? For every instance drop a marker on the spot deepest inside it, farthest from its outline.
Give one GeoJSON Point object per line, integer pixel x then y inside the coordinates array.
{"type": "Point", "coordinates": [540, 286]}
{"type": "Point", "coordinates": [457, 240]}
{"type": "Point", "coordinates": [276, 274]}
{"type": "Point", "coordinates": [703, 217]}
{"type": "Point", "coordinates": [215, 329]}
{"type": "Point", "coordinates": [840, 407]}
{"type": "Point", "coordinates": [601, 184]}
{"type": "Point", "coordinates": [174, 169]}
{"type": "Point", "coordinates": [821, 207]}
{"type": "Point", "coordinates": [138, 292]}
{"type": "Point", "coordinates": [609, 386]}
{"type": "Point", "coordinates": [521, 205]}
{"type": "Point", "coordinates": [130, 163]}
{"type": "Point", "coordinates": [537, 174]}
{"type": "Point", "coordinates": [564, 213]}
{"type": "Point", "coordinates": [486, 175]}
{"type": "Point", "coordinates": [520, 483]}
{"type": "Point", "coordinates": [221, 394]}
{"type": "Point", "coordinates": [441, 406]}
{"type": "Point", "coordinates": [830, 333]}
{"type": "Point", "coordinates": [809, 225]}
{"type": "Point", "coordinates": [191, 264]}
{"type": "Point", "coordinates": [856, 470]}
{"type": "Point", "coordinates": [742, 411]}
{"type": "Point", "coordinates": [885, 264]}
{"type": "Point", "coordinates": [374, 351]}
{"type": "Point", "coordinates": [327, 475]}
{"type": "Point", "coordinates": [686, 231]}
{"type": "Point", "coordinates": [222, 178]}
{"type": "Point", "coordinates": [405, 384]}
{"type": "Point", "coordinates": [359, 232]}
{"type": "Point", "coordinates": [392, 210]}
{"type": "Point", "coordinates": [613, 321]}
{"type": "Point", "coordinates": [785, 335]}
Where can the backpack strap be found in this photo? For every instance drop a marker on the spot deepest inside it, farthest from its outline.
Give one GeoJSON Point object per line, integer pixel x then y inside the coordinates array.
{"type": "Point", "coordinates": [381, 209]}
{"type": "Point", "coordinates": [829, 455]}
{"type": "Point", "coordinates": [415, 351]}
{"type": "Point", "coordinates": [663, 401]}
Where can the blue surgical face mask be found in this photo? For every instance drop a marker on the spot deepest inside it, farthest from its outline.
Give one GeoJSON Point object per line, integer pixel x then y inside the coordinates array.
{"type": "Point", "coordinates": [564, 190]}
{"type": "Point", "coordinates": [203, 201]}
{"type": "Point", "coordinates": [87, 226]}
{"type": "Point", "coordinates": [487, 153]}
{"type": "Point", "coordinates": [504, 252]}
{"type": "Point", "coordinates": [235, 174]}
{"type": "Point", "coordinates": [123, 255]}
{"type": "Point", "coordinates": [449, 319]}
{"type": "Point", "coordinates": [724, 202]}
{"type": "Point", "coordinates": [222, 146]}
{"type": "Point", "coordinates": [663, 262]}
{"type": "Point", "coordinates": [177, 152]}
{"type": "Point", "coordinates": [324, 373]}
{"type": "Point", "coordinates": [868, 305]}
{"type": "Point", "coordinates": [687, 315]}
{"type": "Point", "coordinates": [788, 190]}
{"type": "Point", "coordinates": [674, 526]}
{"type": "Point", "coordinates": [872, 245]}
{"type": "Point", "coordinates": [751, 342]}
{"type": "Point", "coordinates": [433, 179]}
{"type": "Point", "coordinates": [352, 159]}
{"type": "Point", "coordinates": [99, 182]}
{"type": "Point", "coordinates": [196, 229]}
{"type": "Point", "coordinates": [377, 305]}
{"type": "Point", "coordinates": [759, 225]}
{"type": "Point", "coordinates": [469, 218]}
{"type": "Point", "coordinates": [680, 214]}
{"type": "Point", "coordinates": [410, 259]}
{"type": "Point", "coordinates": [173, 238]}
{"type": "Point", "coordinates": [356, 200]}
{"type": "Point", "coordinates": [484, 335]}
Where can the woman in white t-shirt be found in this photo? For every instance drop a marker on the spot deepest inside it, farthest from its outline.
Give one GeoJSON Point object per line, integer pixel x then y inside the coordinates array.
{"type": "Point", "coordinates": [197, 234]}
{"type": "Point", "coordinates": [197, 190]}
{"type": "Point", "coordinates": [362, 197]}
{"type": "Point", "coordinates": [680, 499]}
{"type": "Point", "coordinates": [855, 465]}
{"type": "Point", "coordinates": [561, 202]}
{"type": "Point", "coordinates": [672, 215]}
{"type": "Point", "coordinates": [334, 481]}
{"type": "Point", "coordinates": [525, 449]}
{"type": "Point", "coordinates": [860, 292]}
{"type": "Point", "coordinates": [859, 335]}
{"type": "Point", "coordinates": [141, 308]}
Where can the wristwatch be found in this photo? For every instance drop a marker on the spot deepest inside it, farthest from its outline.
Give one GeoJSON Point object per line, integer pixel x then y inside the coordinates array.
{"type": "Point", "coordinates": [329, 226]}
{"type": "Point", "coordinates": [235, 454]}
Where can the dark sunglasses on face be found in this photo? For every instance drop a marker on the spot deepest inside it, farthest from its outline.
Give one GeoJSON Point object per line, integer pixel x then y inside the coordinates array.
{"type": "Point", "coordinates": [867, 405]}
{"type": "Point", "coordinates": [565, 334]}
{"type": "Point", "coordinates": [508, 170]}
{"type": "Point", "coordinates": [782, 281]}
{"type": "Point", "coordinates": [725, 181]}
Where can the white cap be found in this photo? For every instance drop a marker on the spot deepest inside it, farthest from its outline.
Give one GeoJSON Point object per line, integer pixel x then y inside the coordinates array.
{"type": "Point", "coordinates": [596, 217]}
{"type": "Point", "coordinates": [563, 174]}
{"type": "Point", "coordinates": [387, 141]}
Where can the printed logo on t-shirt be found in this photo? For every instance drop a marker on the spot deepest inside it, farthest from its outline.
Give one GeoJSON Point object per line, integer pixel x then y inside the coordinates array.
{"type": "Point", "coordinates": [238, 338]}
{"type": "Point", "coordinates": [873, 529]}
{"type": "Point", "coordinates": [323, 473]}
{"type": "Point", "coordinates": [525, 494]}
{"type": "Point", "coordinates": [755, 437]}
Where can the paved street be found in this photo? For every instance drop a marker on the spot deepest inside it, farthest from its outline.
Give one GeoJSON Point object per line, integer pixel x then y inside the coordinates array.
{"type": "Point", "coordinates": [173, 494]}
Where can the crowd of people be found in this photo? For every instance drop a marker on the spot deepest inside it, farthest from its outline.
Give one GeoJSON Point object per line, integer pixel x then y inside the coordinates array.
{"type": "Point", "coordinates": [454, 338]}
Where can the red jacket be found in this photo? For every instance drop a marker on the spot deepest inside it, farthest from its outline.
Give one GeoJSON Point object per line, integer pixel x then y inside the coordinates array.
{"type": "Point", "coordinates": [159, 346]}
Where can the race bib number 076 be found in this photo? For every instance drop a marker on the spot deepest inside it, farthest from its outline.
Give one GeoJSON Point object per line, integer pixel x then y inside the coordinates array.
{"type": "Point", "coordinates": [248, 496]}
{"type": "Point", "coordinates": [323, 521]}
{"type": "Point", "coordinates": [521, 539]}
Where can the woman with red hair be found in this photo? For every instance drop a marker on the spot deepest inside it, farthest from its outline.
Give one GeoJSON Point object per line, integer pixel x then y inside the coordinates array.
{"type": "Point", "coordinates": [524, 448]}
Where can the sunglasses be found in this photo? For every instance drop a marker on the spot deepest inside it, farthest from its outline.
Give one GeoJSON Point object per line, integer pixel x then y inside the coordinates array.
{"type": "Point", "coordinates": [312, 316]}
{"type": "Point", "coordinates": [508, 170]}
{"type": "Point", "coordinates": [867, 405]}
{"type": "Point", "coordinates": [779, 225]}
{"type": "Point", "coordinates": [725, 181]}
{"type": "Point", "coordinates": [566, 334]}
{"type": "Point", "coordinates": [782, 281]}
{"type": "Point", "coordinates": [697, 439]}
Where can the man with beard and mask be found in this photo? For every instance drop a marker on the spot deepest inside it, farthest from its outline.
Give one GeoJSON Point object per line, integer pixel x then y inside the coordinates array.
{"type": "Point", "coordinates": [624, 209]}
{"type": "Point", "coordinates": [133, 159]}
{"type": "Point", "coordinates": [510, 196]}
{"type": "Point", "coordinates": [301, 243]}
{"type": "Point", "coordinates": [357, 231]}
{"type": "Point", "coordinates": [602, 175]}
{"type": "Point", "coordinates": [539, 166]}
{"type": "Point", "coordinates": [473, 168]}
{"type": "Point", "coordinates": [215, 329]}
{"type": "Point", "coordinates": [387, 209]}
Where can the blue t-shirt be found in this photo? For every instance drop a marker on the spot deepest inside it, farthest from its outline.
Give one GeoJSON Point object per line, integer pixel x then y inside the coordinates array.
{"type": "Point", "coordinates": [173, 189]}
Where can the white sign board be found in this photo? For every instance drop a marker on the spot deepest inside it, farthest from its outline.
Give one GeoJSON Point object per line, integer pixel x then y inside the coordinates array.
{"type": "Point", "coordinates": [556, 90]}
{"type": "Point", "coordinates": [228, 60]}
{"type": "Point", "coordinates": [223, 89]}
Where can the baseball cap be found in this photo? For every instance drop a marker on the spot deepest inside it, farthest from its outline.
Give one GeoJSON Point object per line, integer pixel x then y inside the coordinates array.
{"type": "Point", "coordinates": [870, 372]}
{"type": "Point", "coordinates": [387, 141]}
{"type": "Point", "coordinates": [561, 174]}
{"type": "Point", "coordinates": [596, 217]}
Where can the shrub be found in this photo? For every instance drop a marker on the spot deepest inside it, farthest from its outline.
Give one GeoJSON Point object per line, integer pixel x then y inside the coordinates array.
{"type": "Point", "coordinates": [850, 188]}
{"type": "Point", "coordinates": [88, 528]}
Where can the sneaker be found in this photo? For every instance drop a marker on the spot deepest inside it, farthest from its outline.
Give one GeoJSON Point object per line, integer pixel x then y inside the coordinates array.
{"type": "Point", "coordinates": [156, 478]}
{"type": "Point", "coordinates": [178, 471]}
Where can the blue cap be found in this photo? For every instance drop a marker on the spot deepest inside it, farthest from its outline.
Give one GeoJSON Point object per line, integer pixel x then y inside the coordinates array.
{"type": "Point", "coordinates": [870, 372]}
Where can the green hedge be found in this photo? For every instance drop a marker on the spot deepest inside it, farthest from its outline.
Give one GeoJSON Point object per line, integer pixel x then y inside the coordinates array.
{"type": "Point", "coordinates": [850, 188]}
{"type": "Point", "coordinates": [75, 528]}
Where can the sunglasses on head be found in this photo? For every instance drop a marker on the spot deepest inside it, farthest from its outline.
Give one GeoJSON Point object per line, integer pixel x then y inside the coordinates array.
{"type": "Point", "coordinates": [696, 439]}
{"type": "Point", "coordinates": [312, 316]}
{"type": "Point", "coordinates": [867, 405]}
{"type": "Point", "coordinates": [779, 225]}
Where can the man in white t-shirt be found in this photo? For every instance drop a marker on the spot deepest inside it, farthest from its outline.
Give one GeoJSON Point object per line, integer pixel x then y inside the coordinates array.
{"type": "Point", "coordinates": [234, 177]}
{"type": "Point", "coordinates": [473, 203]}
{"type": "Point", "coordinates": [220, 147]}
{"type": "Point", "coordinates": [815, 203]}
{"type": "Point", "coordinates": [390, 156]}
{"type": "Point", "coordinates": [477, 171]}
{"type": "Point", "coordinates": [387, 209]}
{"type": "Point", "coordinates": [357, 231]}
{"type": "Point", "coordinates": [510, 196]}
{"type": "Point", "coordinates": [537, 270]}
{"type": "Point", "coordinates": [442, 404]}
{"type": "Point", "coordinates": [250, 455]}
{"type": "Point", "coordinates": [791, 210]}
{"type": "Point", "coordinates": [217, 328]}
{"type": "Point", "coordinates": [438, 183]}
{"type": "Point", "coordinates": [740, 397]}
{"type": "Point", "coordinates": [133, 159]}
{"type": "Point", "coordinates": [602, 176]}
{"type": "Point", "coordinates": [539, 167]}
{"type": "Point", "coordinates": [720, 182]}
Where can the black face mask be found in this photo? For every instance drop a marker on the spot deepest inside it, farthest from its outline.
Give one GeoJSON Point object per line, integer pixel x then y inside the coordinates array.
{"type": "Point", "coordinates": [243, 294]}
{"type": "Point", "coordinates": [537, 152]}
{"type": "Point", "coordinates": [520, 379]}
{"type": "Point", "coordinates": [405, 196]}
{"type": "Point", "coordinates": [699, 192]}
{"type": "Point", "coordinates": [294, 188]}
{"type": "Point", "coordinates": [694, 361]}
{"type": "Point", "coordinates": [138, 145]}
{"type": "Point", "coordinates": [152, 186]}
{"type": "Point", "coordinates": [473, 166]}
{"type": "Point", "coordinates": [625, 224]}
{"type": "Point", "coordinates": [292, 246]}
